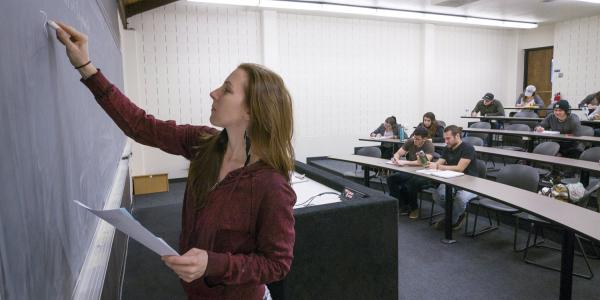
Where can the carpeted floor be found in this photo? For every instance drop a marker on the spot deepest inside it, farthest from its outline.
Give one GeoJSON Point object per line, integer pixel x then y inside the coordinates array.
{"type": "Point", "coordinates": [481, 268]}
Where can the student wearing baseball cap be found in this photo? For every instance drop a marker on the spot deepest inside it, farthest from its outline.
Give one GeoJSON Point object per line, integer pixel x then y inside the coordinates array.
{"type": "Point", "coordinates": [488, 106]}
{"type": "Point", "coordinates": [563, 121]}
{"type": "Point", "coordinates": [529, 98]}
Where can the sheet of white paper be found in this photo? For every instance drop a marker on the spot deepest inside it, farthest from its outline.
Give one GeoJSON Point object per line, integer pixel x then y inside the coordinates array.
{"type": "Point", "coordinates": [447, 174]}
{"type": "Point", "coordinates": [550, 132]}
{"type": "Point", "coordinates": [427, 171]}
{"type": "Point", "coordinates": [124, 222]}
{"type": "Point", "coordinates": [438, 173]}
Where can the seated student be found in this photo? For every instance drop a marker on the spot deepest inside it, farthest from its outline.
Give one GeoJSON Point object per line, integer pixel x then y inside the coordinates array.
{"type": "Point", "coordinates": [595, 116]}
{"type": "Point", "coordinates": [435, 131]}
{"type": "Point", "coordinates": [405, 187]}
{"type": "Point", "coordinates": [565, 122]}
{"type": "Point", "coordinates": [390, 129]}
{"type": "Point", "coordinates": [459, 157]}
{"type": "Point", "coordinates": [591, 101]}
{"type": "Point", "coordinates": [488, 106]}
{"type": "Point", "coordinates": [529, 98]}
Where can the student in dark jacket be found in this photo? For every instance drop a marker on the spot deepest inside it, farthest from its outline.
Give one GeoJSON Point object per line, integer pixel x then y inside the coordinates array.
{"type": "Point", "coordinates": [591, 101]}
{"type": "Point", "coordinates": [435, 130]}
{"type": "Point", "coordinates": [388, 129]}
{"type": "Point", "coordinates": [237, 221]}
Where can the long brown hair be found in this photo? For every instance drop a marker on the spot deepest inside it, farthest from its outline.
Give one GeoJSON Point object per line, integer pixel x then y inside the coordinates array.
{"type": "Point", "coordinates": [270, 132]}
{"type": "Point", "coordinates": [392, 121]}
{"type": "Point", "coordinates": [432, 129]}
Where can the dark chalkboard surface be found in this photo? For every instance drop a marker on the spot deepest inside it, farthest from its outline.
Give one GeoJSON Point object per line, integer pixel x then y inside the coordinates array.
{"type": "Point", "coordinates": [56, 145]}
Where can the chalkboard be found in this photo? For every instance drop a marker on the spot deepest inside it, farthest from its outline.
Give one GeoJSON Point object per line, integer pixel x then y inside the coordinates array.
{"type": "Point", "coordinates": [56, 145]}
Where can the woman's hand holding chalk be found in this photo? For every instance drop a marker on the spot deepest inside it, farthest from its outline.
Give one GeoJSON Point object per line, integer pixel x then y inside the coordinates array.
{"type": "Point", "coordinates": [76, 44]}
{"type": "Point", "coordinates": [53, 25]}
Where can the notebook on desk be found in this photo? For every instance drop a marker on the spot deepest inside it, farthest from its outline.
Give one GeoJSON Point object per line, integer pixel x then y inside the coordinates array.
{"type": "Point", "coordinates": [438, 173]}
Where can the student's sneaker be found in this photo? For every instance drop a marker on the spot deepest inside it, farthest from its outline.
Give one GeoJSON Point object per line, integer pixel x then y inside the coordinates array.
{"type": "Point", "coordinates": [403, 211]}
{"type": "Point", "coordinates": [459, 223]}
{"type": "Point", "coordinates": [439, 225]}
{"type": "Point", "coordinates": [414, 214]}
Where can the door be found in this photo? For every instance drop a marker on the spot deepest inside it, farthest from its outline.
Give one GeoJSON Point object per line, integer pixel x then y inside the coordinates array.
{"type": "Point", "coordinates": [538, 65]}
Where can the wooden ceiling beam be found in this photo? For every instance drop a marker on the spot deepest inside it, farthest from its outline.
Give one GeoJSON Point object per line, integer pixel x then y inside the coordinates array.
{"type": "Point", "coordinates": [122, 13]}
{"type": "Point", "coordinates": [141, 6]}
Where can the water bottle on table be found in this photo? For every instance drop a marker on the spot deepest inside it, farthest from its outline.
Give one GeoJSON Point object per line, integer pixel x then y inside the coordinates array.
{"type": "Point", "coordinates": [401, 133]}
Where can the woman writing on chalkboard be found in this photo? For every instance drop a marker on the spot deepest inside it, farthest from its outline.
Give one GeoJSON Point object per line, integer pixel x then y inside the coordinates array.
{"type": "Point", "coordinates": [237, 223]}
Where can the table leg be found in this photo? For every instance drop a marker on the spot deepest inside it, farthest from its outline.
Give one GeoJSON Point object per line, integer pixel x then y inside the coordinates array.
{"type": "Point", "coordinates": [530, 145]}
{"type": "Point", "coordinates": [367, 175]}
{"type": "Point", "coordinates": [448, 218]}
{"type": "Point", "coordinates": [566, 264]}
{"type": "Point", "coordinates": [584, 177]}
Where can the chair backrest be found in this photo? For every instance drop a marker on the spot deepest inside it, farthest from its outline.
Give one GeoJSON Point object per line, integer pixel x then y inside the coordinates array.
{"type": "Point", "coordinates": [526, 114]}
{"type": "Point", "coordinates": [519, 176]}
{"type": "Point", "coordinates": [589, 191]}
{"type": "Point", "coordinates": [547, 148]}
{"type": "Point", "coordinates": [481, 169]}
{"type": "Point", "coordinates": [585, 131]}
{"type": "Point", "coordinates": [517, 127]}
{"type": "Point", "coordinates": [512, 140]}
{"type": "Point", "coordinates": [591, 154]}
{"type": "Point", "coordinates": [369, 151]}
{"type": "Point", "coordinates": [441, 123]}
{"type": "Point", "coordinates": [484, 125]}
{"type": "Point", "coordinates": [473, 140]}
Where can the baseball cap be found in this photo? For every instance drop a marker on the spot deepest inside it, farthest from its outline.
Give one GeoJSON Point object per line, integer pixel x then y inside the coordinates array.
{"type": "Point", "coordinates": [529, 90]}
{"type": "Point", "coordinates": [562, 104]}
{"type": "Point", "coordinates": [488, 96]}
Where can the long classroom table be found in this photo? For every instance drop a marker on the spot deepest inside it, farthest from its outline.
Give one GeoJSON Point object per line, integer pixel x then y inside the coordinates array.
{"type": "Point", "coordinates": [585, 167]}
{"type": "Point", "coordinates": [535, 135]}
{"type": "Point", "coordinates": [572, 218]}
{"type": "Point", "coordinates": [591, 123]}
{"type": "Point", "coordinates": [535, 108]}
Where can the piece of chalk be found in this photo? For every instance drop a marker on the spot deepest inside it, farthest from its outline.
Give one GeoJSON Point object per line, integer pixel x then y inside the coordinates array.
{"type": "Point", "coordinates": [53, 25]}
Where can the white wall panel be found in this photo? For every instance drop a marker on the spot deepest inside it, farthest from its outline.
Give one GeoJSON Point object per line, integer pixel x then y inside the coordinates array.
{"type": "Point", "coordinates": [577, 55]}
{"type": "Point", "coordinates": [469, 62]}
{"type": "Point", "coordinates": [184, 51]}
{"type": "Point", "coordinates": [346, 76]}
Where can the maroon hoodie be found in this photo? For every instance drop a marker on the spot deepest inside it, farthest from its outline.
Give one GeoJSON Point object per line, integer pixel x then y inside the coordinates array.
{"type": "Point", "coordinates": [247, 225]}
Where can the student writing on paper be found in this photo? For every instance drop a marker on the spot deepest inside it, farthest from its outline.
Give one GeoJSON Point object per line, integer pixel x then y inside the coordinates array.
{"type": "Point", "coordinates": [488, 106]}
{"type": "Point", "coordinates": [563, 121]}
{"type": "Point", "coordinates": [529, 98]}
{"type": "Point", "coordinates": [459, 157]}
{"type": "Point", "coordinates": [237, 226]}
{"type": "Point", "coordinates": [389, 129]}
{"type": "Point", "coordinates": [403, 186]}
{"type": "Point", "coordinates": [591, 101]}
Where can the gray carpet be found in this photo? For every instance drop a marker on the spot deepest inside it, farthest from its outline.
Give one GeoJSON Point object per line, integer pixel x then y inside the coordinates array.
{"type": "Point", "coordinates": [481, 268]}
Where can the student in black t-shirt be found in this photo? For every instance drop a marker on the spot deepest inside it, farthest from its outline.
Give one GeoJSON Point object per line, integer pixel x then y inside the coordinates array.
{"type": "Point", "coordinates": [459, 157]}
{"type": "Point", "coordinates": [405, 186]}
